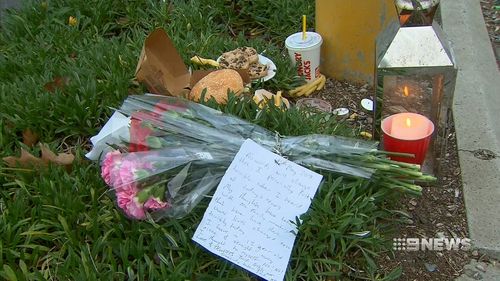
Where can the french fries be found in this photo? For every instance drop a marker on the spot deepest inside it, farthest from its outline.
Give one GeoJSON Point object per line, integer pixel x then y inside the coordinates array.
{"type": "Point", "coordinates": [262, 97]}
{"type": "Point", "coordinates": [309, 88]}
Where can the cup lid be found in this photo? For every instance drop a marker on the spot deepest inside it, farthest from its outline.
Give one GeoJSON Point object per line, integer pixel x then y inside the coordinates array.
{"type": "Point", "coordinates": [295, 40]}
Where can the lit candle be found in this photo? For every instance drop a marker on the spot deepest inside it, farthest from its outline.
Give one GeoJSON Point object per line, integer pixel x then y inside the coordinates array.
{"type": "Point", "coordinates": [409, 126]}
{"type": "Point", "coordinates": [407, 133]}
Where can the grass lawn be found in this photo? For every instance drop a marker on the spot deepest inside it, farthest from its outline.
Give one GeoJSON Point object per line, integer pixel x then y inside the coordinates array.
{"type": "Point", "coordinates": [61, 80]}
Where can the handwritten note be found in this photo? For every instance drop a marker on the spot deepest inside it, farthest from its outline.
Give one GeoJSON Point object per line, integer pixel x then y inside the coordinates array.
{"type": "Point", "coordinates": [248, 220]}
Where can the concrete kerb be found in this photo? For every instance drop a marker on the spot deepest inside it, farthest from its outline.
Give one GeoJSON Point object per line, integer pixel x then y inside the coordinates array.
{"type": "Point", "coordinates": [476, 113]}
{"type": "Point", "coordinates": [8, 4]}
{"type": "Point", "coordinates": [480, 271]}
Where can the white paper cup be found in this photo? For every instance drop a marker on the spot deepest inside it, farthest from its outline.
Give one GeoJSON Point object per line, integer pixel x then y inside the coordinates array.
{"type": "Point", "coordinates": [305, 54]}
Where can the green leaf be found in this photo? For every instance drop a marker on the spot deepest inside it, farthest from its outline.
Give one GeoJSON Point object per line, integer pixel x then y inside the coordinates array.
{"type": "Point", "coordinates": [153, 142]}
{"type": "Point", "coordinates": [141, 174]}
{"type": "Point", "coordinates": [159, 192]}
{"type": "Point", "coordinates": [372, 266]}
{"type": "Point", "coordinates": [24, 268]}
{"type": "Point", "coordinates": [9, 273]}
{"type": "Point", "coordinates": [143, 195]}
{"type": "Point", "coordinates": [394, 274]}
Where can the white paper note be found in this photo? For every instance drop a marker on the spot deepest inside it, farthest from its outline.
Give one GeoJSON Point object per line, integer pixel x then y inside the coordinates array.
{"type": "Point", "coordinates": [248, 220]}
{"type": "Point", "coordinates": [115, 131]}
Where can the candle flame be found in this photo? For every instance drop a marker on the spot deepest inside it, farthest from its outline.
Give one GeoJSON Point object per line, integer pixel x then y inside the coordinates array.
{"type": "Point", "coordinates": [405, 91]}
{"type": "Point", "coordinates": [408, 122]}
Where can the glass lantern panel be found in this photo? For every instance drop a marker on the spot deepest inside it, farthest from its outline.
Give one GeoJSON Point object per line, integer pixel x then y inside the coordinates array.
{"type": "Point", "coordinates": [417, 93]}
{"type": "Point", "coordinates": [420, 94]}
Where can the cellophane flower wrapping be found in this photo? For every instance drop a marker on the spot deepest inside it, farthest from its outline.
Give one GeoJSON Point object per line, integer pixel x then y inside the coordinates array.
{"type": "Point", "coordinates": [173, 153]}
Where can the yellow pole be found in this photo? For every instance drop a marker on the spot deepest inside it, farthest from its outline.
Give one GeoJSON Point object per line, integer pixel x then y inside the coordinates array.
{"type": "Point", "coordinates": [349, 29]}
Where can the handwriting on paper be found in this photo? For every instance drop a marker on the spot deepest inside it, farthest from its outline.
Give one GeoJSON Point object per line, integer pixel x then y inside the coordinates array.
{"type": "Point", "coordinates": [248, 221]}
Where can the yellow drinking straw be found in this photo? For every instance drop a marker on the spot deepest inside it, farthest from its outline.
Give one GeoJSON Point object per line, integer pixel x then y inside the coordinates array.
{"type": "Point", "coordinates": [304, 27]}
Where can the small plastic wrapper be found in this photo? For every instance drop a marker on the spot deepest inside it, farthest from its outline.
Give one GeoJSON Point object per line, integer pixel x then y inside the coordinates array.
{"type": "Point", "coordinates": [174, 152]}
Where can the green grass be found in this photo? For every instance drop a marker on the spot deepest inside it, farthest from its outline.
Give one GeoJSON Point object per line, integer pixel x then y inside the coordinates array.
{"type": "Point", "coordinates": [56, 225]}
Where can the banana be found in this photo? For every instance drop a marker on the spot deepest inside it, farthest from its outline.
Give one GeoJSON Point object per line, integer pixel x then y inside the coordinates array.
{"type": "Point", "coordinates": [202, 61]}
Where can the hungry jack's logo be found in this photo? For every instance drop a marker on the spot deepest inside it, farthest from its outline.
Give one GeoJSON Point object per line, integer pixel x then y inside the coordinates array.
{"type": "Point", "coordinates": [303, 68]}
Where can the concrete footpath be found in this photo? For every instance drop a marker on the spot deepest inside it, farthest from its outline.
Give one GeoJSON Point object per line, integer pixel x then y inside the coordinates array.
{"type": "Point", "coordinates": [8, 4]}
{"type": "Point", "coordinates": [477, 120]}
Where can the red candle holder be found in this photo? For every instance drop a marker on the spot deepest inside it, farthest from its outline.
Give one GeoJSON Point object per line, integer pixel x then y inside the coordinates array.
{"type": "Point", "coordinates": [407, 133]}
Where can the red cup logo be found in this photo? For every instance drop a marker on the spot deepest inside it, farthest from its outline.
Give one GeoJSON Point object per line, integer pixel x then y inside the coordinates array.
{"type": "Point", "coordinates": [303, 68]}
{"type": "Point", "coordinates": [298, 62]}
{"type": "Point", "coordinates": [307, 69]}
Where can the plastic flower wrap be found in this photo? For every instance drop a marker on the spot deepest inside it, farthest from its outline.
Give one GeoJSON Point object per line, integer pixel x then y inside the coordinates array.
{"type": "Point", "coordinates": [162, 155]}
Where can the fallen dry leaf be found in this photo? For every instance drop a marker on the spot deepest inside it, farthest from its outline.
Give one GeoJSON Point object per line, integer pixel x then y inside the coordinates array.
{"type": "Point", "coordinates": [27, 160]}
{"type": "Point", "coordinates": [63, 159]}
{"type": "Point", "coordinates": [59, 82]}
{"type": "Point", "coordinates": [29, 137]}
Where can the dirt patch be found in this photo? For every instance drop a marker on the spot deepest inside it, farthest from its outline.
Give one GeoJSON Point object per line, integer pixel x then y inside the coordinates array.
{"type": "Point", "coordinates": [439, 212]}
{"type": "Point", "coordinates": [344, 94]}
{"type": "Point", "coordinates": [491, 13]}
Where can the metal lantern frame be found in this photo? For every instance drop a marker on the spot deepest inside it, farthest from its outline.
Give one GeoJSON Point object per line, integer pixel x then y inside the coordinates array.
{"type": "Point", "coordinates": [415, 54]}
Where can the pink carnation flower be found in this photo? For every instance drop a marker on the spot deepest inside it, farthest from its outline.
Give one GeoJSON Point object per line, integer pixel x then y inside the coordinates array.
{"type": "Point", "coordinates": [135, 210]}
{"type": "Point", "coordinates": [121, 171]}
{"type": "Point", "coordinates": [126, 172]}
{"type": "Point", "coordinates": [111, 162]}
{"type": "Point", "coordinates": [129, 203]}
{"type": "Point", "coordinates": [155, 204]}
{"type": "Point", "coordinates": [125, 195]}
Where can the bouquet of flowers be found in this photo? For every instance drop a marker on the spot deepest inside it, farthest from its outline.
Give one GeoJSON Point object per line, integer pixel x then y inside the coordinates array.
{"type": "Point", "coordinates": [163, 155]}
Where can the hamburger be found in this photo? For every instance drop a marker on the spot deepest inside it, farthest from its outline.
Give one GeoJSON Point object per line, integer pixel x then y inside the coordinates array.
{"type": "Point", "coordinates": [218, 84]}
